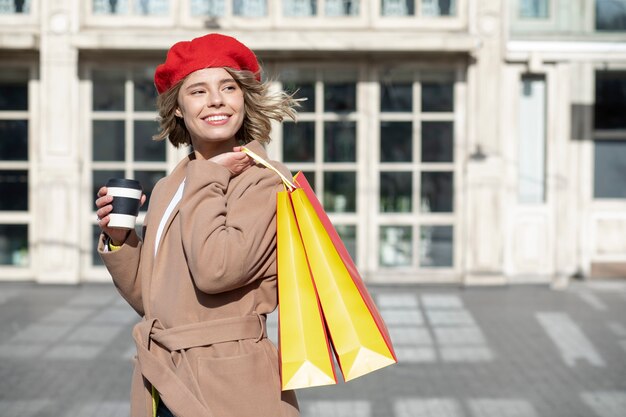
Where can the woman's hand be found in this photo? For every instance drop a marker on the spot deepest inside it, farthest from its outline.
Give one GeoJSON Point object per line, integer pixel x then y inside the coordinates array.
{"type": "Point", "coordinates": [236, 162]}
{"type": "Point", "coordinates": [103, 203]}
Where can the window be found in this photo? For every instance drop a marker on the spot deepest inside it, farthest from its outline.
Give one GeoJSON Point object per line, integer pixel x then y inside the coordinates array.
{"type": "Point", "coordinates": [424, 7]}
{"type": "Point", "coordinates": [416, 169]}
{"type": "Point", "coordinates": [14, 167]}
{"type": "Point", "coordinates": [532, 140]}
{"type": "Point", "coordinates": [610, 135]}
{"type": "Point", "coordinates": [210, 8]}
{"type": "Point", "coordinates": [220, 8]}
{"type": "Point", "coordinates": [323, 144]}
{"type": "Point", "coordinates": [332, 8]}
{"type": "Point", "coordinates": [122, 125]}
{"type": "Point", "coordinates": [342, 8]}
{"type": "Point", "coordinates": [15, 6]}
{"type": "Point", "coordinates": [534, 9]}
{"type": "Point", "coordinates": [131, 7]}
{"type": "Point", "coordinates": [610, 100]}
{"type": "Point", "coordinates": [611, 15]}
{"type": "Point", "coordinates": [610, 169]}
{"type": "Point", "coordinates": [250, 8]}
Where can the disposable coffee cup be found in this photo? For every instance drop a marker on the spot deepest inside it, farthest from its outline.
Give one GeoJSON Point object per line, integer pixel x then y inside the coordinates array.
{"type": "Point", "coordinates": [126, 201]}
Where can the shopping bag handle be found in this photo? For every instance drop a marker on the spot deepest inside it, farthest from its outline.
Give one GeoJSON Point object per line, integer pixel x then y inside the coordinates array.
{"type": "Point", "coordinates": [266, 164]}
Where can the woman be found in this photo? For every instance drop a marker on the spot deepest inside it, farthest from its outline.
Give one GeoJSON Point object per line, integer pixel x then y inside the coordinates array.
{"type": "Point", "coordinates": [204, 275]}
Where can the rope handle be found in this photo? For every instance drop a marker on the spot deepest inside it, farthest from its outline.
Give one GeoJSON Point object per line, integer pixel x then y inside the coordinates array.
{"type": "Point", "coordinates": [266, 164]}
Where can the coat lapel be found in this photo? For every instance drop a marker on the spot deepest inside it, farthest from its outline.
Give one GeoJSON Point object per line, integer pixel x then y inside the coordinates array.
{"type": "Point", "coordinates": [170, 187]}
{"type": "Point", "coordinates": [167, 188]}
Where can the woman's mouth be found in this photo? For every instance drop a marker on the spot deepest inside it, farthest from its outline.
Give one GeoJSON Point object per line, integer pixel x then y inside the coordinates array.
{"type": "Point", "coordinates": [218, 119]}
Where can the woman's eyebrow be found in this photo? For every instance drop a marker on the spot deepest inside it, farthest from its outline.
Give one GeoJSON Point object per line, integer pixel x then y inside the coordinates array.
{"type": "Point", "coordinates": [194, 85]}
{"type": "Point", "coordinates": [202, 83]}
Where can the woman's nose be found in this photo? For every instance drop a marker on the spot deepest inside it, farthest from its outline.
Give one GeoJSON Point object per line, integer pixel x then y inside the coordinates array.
{"type": "Point", "coordinates": [215, 99]}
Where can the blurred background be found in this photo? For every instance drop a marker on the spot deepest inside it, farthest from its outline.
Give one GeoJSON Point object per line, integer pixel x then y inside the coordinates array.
{"type": "Point", "coordinates": [451, 141]}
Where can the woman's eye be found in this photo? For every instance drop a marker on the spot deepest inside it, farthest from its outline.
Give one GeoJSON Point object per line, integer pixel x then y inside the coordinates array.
{"type": "Point", "coordinates": [195, 92]}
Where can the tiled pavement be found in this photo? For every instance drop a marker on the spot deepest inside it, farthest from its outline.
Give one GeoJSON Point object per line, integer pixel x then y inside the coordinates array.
{"type": "Point", "coordinates": [524, 351]}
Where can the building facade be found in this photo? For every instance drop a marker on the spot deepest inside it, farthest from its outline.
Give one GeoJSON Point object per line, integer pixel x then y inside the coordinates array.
{"type": "Point", "coordinates": [450, 141]}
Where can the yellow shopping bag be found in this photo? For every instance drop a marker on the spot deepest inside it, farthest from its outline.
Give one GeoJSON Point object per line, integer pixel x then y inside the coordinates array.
{"type": "Point", "coordinates": [305, 355]}
{"type": "Point", "coordinates": [357, 330]}
{"type": "Point", "coordinates": [358, 333]}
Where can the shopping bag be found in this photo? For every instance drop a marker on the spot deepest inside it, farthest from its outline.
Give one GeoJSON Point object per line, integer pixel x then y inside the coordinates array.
{"type": "Point", "coordinates": [359, 336]}
{"type": "Point", "coordinates": [305, 354]}
{"type": "Point", "coordinates": [303, 346]}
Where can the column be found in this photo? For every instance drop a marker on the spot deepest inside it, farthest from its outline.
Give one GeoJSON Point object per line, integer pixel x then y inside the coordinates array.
{"type": "Point", "coordinates": [484, 180]}
{"type": "Point", "coordinates": [57, 180]}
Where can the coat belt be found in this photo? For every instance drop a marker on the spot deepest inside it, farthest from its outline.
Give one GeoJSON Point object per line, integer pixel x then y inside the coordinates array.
{"type": "Point", "coordinates": [150, 336]}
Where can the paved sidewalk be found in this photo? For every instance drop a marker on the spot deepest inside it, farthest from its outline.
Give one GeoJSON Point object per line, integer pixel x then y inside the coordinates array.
{"type": "Point", "coordinates": [524, 351]}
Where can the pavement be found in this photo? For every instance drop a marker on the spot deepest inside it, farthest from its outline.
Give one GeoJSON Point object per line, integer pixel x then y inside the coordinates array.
{"type": "Point", "coordinates": [510, 351]}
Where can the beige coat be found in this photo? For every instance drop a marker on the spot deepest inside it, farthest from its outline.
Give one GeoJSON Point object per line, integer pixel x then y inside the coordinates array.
{"type": "Point", "coordinates": [205, 295]}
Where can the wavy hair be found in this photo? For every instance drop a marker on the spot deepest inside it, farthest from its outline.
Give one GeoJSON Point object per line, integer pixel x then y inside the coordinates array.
{"type": "Point", "coordinates": [261, 106]}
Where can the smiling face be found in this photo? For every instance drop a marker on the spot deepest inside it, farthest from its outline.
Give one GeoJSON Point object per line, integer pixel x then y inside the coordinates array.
{"type": "Point", "coordinates": [211, 103]}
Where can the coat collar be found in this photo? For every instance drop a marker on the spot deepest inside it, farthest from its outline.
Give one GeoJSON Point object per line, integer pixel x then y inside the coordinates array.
{"type": "Point", "coordinates": [170, 185]}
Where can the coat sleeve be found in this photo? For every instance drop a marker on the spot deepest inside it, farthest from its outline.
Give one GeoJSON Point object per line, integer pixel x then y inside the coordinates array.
{"type": "Point", "coordinates": [228, 242]}
{"type": "Point", "coordinates": [123, 265]}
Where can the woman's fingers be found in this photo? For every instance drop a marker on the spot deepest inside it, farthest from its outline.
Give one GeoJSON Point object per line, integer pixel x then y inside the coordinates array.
{"type": "Point", "coordinates": [102, 191]}
{"type": "Point", "coordinates": [235, 162]}
{"type": "Point", "coordinates": [103, 201]}
{"type": "Point", "coordinates": [104, 211]}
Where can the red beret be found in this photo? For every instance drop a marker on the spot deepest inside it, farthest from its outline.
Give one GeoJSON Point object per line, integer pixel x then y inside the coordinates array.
{"type": "Point", "coordinates": [208, 51]}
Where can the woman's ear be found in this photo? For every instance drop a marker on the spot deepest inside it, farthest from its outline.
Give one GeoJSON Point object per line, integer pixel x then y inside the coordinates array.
{"type": "Point", "coordinates": [178, 113]}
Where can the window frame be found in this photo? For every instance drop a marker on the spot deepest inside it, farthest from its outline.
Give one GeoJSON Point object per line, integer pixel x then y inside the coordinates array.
{"type": "Point", "coordinates": [367, 217]}
{"type": "Point", "coordinates": [128, 20]}
{"type": "Point", "coordinates": [26, 217]}
{"type": "Point", "coordinates": [98, 273]}
{"type": "Point", "coordinates": [524, 24]}
{"type": "Point", "coordinates": [550, 11]}
{"type": "Point", "coordinates": [229, 20]}
{"type": "Point", "coordinates": [319, 166]}
{"type": "Point", "coordinates": [593, 23]}
{"type": "Point", "coordinates": [320, 20]}
{"type": "Point", "coordinates": [445, 23]}
{"type": "Point", "coordinates": [416, 218]}
{"type": "Point", "coordinates": [605, 135]}
{"type": "Point", "coordinates": [22, 19]}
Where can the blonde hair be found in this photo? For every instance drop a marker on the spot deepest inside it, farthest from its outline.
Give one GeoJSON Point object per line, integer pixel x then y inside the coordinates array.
{"type": "Point", "coordinates": [261, 106]}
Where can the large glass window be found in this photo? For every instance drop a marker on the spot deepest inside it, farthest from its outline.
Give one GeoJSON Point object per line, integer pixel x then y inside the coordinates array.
{"type": "Point", "coordinates": [342, 7]}
{"type": "Point", "coordinates": [14, 167]}
{"type": "Point", "coordinates": [123, 122]}
{"type": "Point", "coordinates": [323, 144]}
{"type": "Point", "coordinates": [611, 15]}
{"type": "Point", "coordinates": [220, 8]}
{"type": "Point", "coordinates": [331, 8]}
{"type": "Point", "coordinates": [389, 188]}
{"type": "Point", "coordinates": [131, 7]}
{"type": "Point", "coordinates": [532, 140]}
{"type": "Point", "coordinates": [209, 8]}
{"type": "Point", "coordinates": [610, 100]}
{"type": "Point", "coordinates": [15, 6]}
{"type": "Point", "coordinates": [534, 9]}
{"type": "Point", "coordinates": [418, 7]}
{"type": "Point", "coordinates": [610, 135]}
{"type": "Point", "coordinates": [416, 169]}
{"type": "Point", "coordinates": [610, 169]}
